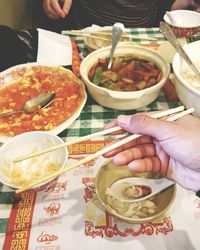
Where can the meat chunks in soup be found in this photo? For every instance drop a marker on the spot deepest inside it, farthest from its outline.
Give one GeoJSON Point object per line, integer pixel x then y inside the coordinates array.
{"type": "Point", "coordinates": [128, 73]}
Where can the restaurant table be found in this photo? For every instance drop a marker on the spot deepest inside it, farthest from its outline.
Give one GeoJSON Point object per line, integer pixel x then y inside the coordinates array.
{"type": "Point", "coordinates": [60, 214]}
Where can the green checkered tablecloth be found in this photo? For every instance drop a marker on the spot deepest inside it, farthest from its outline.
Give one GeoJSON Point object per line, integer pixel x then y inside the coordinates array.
{"type": "Point", "coordinates": [92, 118]}
{"type": "Point", "coordinates": [139, 32]}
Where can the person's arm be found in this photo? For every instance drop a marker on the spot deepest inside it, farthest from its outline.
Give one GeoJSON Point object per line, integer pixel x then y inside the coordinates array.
{"type": "Point", "coordinates": [55, 9]}
{"type": "Point", "coordinates": [171, 148]}
{"type": "Point", "coordinates": [184, 4]}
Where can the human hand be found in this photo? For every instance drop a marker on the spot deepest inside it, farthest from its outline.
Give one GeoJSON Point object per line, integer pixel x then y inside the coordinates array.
{"type": "Point", "coordinates": [184, 4]}
{"type": "Point", "coordinates": [171, 148]}
{"type": "Point", "coordinates": [196, 5]}
{"type": "Point", "coordinates": [55, 9]}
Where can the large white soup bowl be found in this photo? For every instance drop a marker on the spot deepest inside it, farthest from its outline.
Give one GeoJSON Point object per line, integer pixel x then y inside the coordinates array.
{"type": "Point", "coordinates": [187, 93]}
{"type": "Point", "coordinates": [118, 99]}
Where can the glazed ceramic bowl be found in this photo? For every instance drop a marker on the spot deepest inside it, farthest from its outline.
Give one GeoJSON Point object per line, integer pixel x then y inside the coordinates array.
{"type": "Point", "coordinates": [109, 173]}
{"type": "Point", "coordinates": [17, 175]}
{"type": "Point", "coordinates": [187, 86]}
{"type": "Point", "coordinates": [118, 99]}
{"type": "Point", "coordinates": [183, 22]}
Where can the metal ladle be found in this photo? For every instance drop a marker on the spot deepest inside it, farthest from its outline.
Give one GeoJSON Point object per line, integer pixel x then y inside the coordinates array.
{"type": "Point", "coordinates": [168, 33]}
{"type": "Point", "coordinates": [37, 102]}
{"type": "Point", "coordinates": [117, 31]}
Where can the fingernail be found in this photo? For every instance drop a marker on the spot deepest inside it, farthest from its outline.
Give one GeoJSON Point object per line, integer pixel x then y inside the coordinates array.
{"type": "Point", "coordinates": [132, 167]}
{"type": "Point", "coordinates": [123, 120]}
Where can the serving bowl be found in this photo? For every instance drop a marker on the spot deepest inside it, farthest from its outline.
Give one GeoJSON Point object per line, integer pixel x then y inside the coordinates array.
{"type": "Point", "coordinates": [186, 83]}
{"type": "Point", "coordinates": [17, 175]}
{"type": "Point", "coordinates": [109, 173]}
{"type": "Point", "coordinates": [184, 23]}
{"type": "Point", "coordinates": [119, 99]}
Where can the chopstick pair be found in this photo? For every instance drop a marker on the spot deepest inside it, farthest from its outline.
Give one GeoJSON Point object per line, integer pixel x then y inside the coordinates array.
{"type": "Point", "coordinates": [93, 34]}
{"type": "Point", "coordinates": [88, 137]}
{"type": "Point", "coordinates": [104, 150]}
{"type": "Point", "coordinates": [65, 32]}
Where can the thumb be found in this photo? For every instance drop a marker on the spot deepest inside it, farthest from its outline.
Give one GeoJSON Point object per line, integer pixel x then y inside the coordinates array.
{"type": "Point", "coordinates": [146, 125]}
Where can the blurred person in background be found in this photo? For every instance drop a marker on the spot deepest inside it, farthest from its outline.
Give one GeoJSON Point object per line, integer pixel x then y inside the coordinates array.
{"type": "Point", "coordinates": [186, 4]}
{"type": "Point", "coordinates": [77, 14]}
{"type": "Point", "coordinates": [21, 46]}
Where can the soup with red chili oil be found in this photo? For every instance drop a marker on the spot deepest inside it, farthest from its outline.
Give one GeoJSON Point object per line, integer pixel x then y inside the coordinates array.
{"type": "Point", "coordinates": [128, 73]}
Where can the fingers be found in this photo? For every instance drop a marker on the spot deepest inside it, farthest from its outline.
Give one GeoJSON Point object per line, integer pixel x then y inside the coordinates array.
{"type": "Point", "coordinates": [113, 124]}
{"type": "Point", "coordinates": [129, 145]}
{"type": "Point", "coordinates": [53, 9]}
{"type": "Point", "coordinates": [147, 164]}
{"type": "Point", "coordinates": [49, 10]}
{"type": "Point", "coordinates": [67, 6]}
{"type": "Point", "coordinates": [135, 153]}
{"type": "Point", "coordinates": [196, 6]}
{"type": "Point", "coordinates": [144, 158]}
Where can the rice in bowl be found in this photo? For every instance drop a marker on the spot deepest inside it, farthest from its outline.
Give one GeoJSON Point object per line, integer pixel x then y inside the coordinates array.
{"type": "Point", "coordinates": [20, 174]}
{"type": "Point", "coordinates": [189, 76]}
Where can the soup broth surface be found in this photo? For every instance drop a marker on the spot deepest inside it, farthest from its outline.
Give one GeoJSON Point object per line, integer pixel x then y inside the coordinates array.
{"type": "Point", "coordinates": [128, 73]}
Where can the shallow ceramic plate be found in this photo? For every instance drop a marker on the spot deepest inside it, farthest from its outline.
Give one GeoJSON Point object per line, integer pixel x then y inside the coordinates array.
{"type": "Point", "coordinates": [110, 173]}
{"type": "Point", "coordinates": [10, 75]}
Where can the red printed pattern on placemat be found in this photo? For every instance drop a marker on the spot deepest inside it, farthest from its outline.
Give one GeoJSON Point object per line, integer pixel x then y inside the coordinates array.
{"type": "Point", "coordinates": [86, 147]}
{"type": "Point", "coordinates": [147, 229]}
{"type": "Point", "coordinates": [18, 230]}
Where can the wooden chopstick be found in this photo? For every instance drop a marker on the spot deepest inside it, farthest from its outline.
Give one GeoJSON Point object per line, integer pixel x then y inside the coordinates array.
{"type": "Point", "coordinates": [86, 35]}
{"type": "Point", "coordinates": [93, 33]}
{"type": "Point", "coordinates": [93, 156]}
{"type": "Point", "coordinates": [88, 137]}
{"type": "Point", "coordinates": [110, 34]}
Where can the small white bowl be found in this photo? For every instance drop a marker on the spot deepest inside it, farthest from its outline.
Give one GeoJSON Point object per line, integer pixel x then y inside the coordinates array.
{"type": "Point", "coordinates": [188, 94]}
{"type": "Point", "coordinates": [183, 22]}
{"type": "Point", "coordinates": [124, 100]}
{"type": "Point", "coordinates": [16, 175]}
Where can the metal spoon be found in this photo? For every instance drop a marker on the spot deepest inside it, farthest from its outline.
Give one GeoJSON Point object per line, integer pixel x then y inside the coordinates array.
{"type": "Point", "coordinates": [155, 185]}
{"type": "Point", "coordinates": [37, 102]}
{"type": "Point", "coordinates": [117, 31]}
{"type": "Point", "coordinates": [168, 33]}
